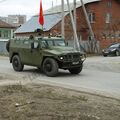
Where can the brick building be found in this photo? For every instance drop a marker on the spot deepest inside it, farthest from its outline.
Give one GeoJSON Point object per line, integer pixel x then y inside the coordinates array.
{"type": "Point", "coordinates": [104, 17]}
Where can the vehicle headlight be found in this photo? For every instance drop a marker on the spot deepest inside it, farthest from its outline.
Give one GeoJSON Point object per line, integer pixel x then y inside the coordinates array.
{"type": "Point", "coordinates": [61, 58]}
{"type": "Point", "coordinates": [113, 49]}
{"type": "Point", "coordinates": [103, 50]}
{"type": "Point", "coordinates": [83, 57]}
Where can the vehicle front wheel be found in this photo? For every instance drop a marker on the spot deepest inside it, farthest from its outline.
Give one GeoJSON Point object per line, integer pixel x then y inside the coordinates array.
{"type": "Point", "coordinates": [16, 62]}
{"type": "Point", "coordinates": [75, 70]}
{"type": "Point", "coordinates": [50, 67]}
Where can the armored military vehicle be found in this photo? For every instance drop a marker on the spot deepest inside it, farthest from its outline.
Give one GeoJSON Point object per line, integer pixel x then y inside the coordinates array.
{"type": "Point", "coordinates": [47, 54]}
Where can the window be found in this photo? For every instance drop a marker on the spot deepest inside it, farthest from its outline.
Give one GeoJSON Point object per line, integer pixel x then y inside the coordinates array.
{"type": "Point", "coordinates": [109, 4]}
{"type": "Point", "coordinates": [91, 17]}
{"type": "Point", "coordinates": [108, 18]}
{"type": "Point", "coordinates": [43, 44]}
{"type": "Point", "coordinates": [6, 34]}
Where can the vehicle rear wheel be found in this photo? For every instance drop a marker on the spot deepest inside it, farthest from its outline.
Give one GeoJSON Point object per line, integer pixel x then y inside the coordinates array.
{"type": "Point", "coordinates": [76, 70]}
{"type": "Point", "coordinates": [50, 67]}
{"type": "Point", "coordinates": [16, 62]}
{"type": "Point", "coordinates": [117, 53]}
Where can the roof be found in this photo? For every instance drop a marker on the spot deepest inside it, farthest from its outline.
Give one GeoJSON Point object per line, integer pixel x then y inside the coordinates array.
{"type": "Point", "coordinates": [33, 24]}
{"type": "Point", "coordinates": [5, 25]}
{"type": "Point", "coordinates": [51, 17]}
{"type": "Point", "coordinates": [57, 9]}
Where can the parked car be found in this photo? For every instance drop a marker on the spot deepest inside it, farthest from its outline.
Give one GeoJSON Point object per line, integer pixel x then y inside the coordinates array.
{"type": "Point", "coordinates": [113, 49]}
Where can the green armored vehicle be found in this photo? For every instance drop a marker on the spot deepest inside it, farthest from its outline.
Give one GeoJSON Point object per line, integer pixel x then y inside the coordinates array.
{"type": "Point", "coordinates": [47, 54]}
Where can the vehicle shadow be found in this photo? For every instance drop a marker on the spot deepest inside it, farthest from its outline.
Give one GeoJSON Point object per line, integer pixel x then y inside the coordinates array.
{"type": "Point", "coordinates": [61, 73]}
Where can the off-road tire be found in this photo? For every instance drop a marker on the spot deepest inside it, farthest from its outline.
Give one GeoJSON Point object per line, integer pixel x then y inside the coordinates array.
{"type": "Point", "coordinates": [117, 53]}
{"type": "Point", "coordinates": [50, 67]}
{"type": "Point", "coordinates": [16, 63]}
{"type": "Point", "coordinates": [75, 70]}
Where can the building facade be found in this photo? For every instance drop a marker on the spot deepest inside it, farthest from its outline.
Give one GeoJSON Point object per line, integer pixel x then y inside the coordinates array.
{"type": "Point", "coordinates": [14, 20]}
{"type": "Point", "coordinates": [104, 17]}
{"type": "Point", "coordinates": [6, 33]}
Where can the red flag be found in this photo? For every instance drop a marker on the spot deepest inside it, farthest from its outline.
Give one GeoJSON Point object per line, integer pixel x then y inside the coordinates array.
{"type": "Point", "coordinates": [41, 17]}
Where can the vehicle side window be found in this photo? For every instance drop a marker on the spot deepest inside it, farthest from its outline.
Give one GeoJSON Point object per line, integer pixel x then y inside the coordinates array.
{"type": "Point", "coordinates": [36, 44]}
{"type": "Point", "coordinates": [43, 44]}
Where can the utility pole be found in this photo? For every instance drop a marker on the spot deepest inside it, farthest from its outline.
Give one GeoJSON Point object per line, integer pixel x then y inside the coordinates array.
{"type": "Point", "coordinates": [52, 4]}
{"type": "Point", "coordinates": [74, 11]}
{"type": "Point", "coordinates": [77, 46]}
{"type": "Point", "coordinates": [62, 24]}
{"type": "Point", "coordinates": [89, 25]}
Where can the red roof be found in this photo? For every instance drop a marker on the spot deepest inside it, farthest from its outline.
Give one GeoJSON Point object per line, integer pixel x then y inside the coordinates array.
{"type": "Point", "coordinates": [5, 25]}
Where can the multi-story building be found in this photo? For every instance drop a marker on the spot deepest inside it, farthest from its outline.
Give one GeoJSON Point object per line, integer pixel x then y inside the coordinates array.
{"type": "Point", "coordinates": [15, 20]}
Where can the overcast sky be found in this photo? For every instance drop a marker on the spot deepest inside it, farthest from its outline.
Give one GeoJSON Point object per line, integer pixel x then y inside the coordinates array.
{"type": "Point", "coordinates": [26, 7]}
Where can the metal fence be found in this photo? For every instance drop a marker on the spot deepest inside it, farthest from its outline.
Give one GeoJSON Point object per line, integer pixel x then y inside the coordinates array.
{"type": "Point", "coordinates": [85, 46]}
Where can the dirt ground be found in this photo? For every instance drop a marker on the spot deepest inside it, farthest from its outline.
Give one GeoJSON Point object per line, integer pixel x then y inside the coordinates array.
{"type": "Point", "coordinates": [43, 102]}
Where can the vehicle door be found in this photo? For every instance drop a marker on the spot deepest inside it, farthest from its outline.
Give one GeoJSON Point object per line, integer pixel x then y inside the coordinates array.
{"type": "Point", "coordinates": [31, 56]}
{"type": "Point", "coordinates": [35, 53]}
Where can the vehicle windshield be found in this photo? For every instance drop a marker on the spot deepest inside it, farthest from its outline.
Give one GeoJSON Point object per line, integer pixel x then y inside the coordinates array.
{"type": "Point", "coordinates": [49, 43]}
{"type": "Point", "coordinates": [59, 43]}
{"type": "Point", "coordinates": [114, 46]}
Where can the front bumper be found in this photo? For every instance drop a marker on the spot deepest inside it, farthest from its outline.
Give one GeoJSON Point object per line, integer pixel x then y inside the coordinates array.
{"type": "Point", "coordinates": [71, 61]}
{"type": "Point", "coordinates": [67, 65]}
{"type": "Point", "coordinates": [108, 52]}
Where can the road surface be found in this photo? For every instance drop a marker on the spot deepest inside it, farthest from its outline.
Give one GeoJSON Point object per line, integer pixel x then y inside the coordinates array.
{"type": "Point", "coordinates": [100, 75]}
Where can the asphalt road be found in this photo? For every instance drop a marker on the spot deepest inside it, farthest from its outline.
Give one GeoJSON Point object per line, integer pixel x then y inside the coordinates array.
{"type": "Point", "coordinates": [100, 75]}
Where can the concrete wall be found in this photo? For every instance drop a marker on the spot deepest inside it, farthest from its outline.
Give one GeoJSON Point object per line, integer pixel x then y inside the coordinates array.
{"type": "Point", "coordinates": [3, 47]}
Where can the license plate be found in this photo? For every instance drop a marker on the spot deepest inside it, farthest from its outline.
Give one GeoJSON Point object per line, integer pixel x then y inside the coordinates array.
{"type": "Point", "coordinates": [75, 63]}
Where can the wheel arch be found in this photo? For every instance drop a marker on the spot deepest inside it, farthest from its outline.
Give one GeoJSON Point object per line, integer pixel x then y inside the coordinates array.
{"type": "Point", "coordinates": [44, 57]}
{"type": "Point", "coordinates": [13, 55]}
